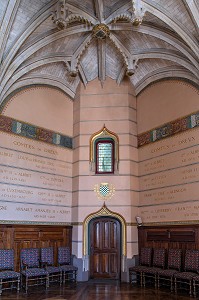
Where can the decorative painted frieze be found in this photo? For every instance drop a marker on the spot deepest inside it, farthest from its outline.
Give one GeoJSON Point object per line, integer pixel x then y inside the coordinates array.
{"type": "Point", "coordinates": [10, 125]}
{"type": "Point", "coordinates": [169, 129]}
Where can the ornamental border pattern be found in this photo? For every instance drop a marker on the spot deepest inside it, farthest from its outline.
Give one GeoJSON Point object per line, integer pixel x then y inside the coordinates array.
{"type": "Point", "coordinates": [169, 129]}
{"type": "Point", "coordinates": [33, 132]}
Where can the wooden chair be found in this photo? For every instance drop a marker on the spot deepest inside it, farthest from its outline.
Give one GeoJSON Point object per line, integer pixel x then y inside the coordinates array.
{"type": "Point", "coordinates": [65, 263]}
{"type": "Point", "coordinates": [31, 272]}
{"type": "Point", "coordinates": [9, 279]}
{"type": "Point", "coordinates": [145, 259]}
{"type": "Point", "coordinates": [195, 280]}
{"type": "Point", "coordinates": [182, 279]}
{"type": "Point", "coordinates": [47, 261]}
{"type": "Point", "coordinates": [173, 266]}
{"type": "Point", "coordinates": [159, 258]}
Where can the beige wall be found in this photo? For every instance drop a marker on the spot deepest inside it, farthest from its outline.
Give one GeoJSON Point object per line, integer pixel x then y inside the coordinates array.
{"type": "Point", "coordinates": [114, 106]}
{"type": "Point", "coordinates": [42, 106]}
{"type": "Point", "coordinates": [164, 102]}
{"type": "Point", "coordinates": [36, 177]}
{"type": "Point", "coordinates": [167, 187]}
{"type": "Point", "coordinates": [169, 169]}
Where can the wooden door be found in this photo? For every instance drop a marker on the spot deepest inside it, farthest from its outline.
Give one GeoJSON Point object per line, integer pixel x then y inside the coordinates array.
{"type": "Point", "coordinates": [105, 240]}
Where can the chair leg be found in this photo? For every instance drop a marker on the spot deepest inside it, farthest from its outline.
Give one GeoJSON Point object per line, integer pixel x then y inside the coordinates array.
{"type": "Point", "coordinates": [18, 285]}
{"type": "Point", "coordinates": [1, 282]}
{"type": "Point", "coordinates": [60, 278]}
{"type": "Point", "coordinates": [47, 281]}
{"type": "Point", "coordinates": [75, 276]}
{"type": "Point", "coordinates": [171, 284]}
{"type": "Point", "coordinates": [190, 290]}
{"type": "Point", "coordinates": [26, 288]}
{"type": "Point", "coordinates": [175, 286]}
{"type": "Point", "coordinates": [155, 278]}
{"type": "Point", "coordinates": [64, 277]}
{"type": "Point", "coordinates": [141, 279]}
{"type": "Point", "coordinates": [194, 288]}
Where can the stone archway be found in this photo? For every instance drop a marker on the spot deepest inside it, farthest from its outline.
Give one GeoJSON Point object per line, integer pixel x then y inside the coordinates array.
{"type": "Point", "coordinates": [103, 212]}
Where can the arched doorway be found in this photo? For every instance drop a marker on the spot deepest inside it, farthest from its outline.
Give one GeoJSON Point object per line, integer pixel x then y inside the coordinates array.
{"type": "Point", "coordinates": [105, 248]}
{"type": "Point", "coordinates": [105, 225]}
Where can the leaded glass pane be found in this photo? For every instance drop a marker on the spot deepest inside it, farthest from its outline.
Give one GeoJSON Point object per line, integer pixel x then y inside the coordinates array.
{"type": "Point", "coordinates": [105, 160]}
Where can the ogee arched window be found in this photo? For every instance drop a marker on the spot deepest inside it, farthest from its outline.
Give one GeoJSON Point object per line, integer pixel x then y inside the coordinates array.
{"type": "Point", "coordinates": [104, 152]}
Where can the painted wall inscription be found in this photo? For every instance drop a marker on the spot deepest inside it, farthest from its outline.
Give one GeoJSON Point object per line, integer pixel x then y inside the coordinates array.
{"type": "Point", "coordinates": [174, 143]}
{"type": "Point", "coordinates": [178, 193]}
{"type": "Point", "coordinates": [30, 212]}
{"type": "Point", "coordinates": [170, 161]}
{"type": "Point", "coordinates": [168, 213]}
{"type": "Point", "coordinates": [169, 179]}
{"type": "Point", "coordinates": [35, 181]}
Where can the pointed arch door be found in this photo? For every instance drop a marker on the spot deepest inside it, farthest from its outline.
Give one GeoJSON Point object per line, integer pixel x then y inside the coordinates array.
{"type": "Point", "coordinates": [105, 248]}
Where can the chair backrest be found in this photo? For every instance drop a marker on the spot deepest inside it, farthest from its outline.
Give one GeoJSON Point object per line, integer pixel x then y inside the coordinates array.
{"type": "Point", "coordinates": [6, 259]}
{"type": "Point", "coordinates": [174, 259]}
{"type": "Point", "coordinates": [192, 260]}
{"type": "Point", "coordinates": [47, 255]}
{"type": "Point", "coordinates": [64, 256]}
{"type": "Point", "coordinates": [30, 257]}
{"type": "Point", "coordinates": [159, 257]}
{"type": "Point", "coordinates": [145, 256]}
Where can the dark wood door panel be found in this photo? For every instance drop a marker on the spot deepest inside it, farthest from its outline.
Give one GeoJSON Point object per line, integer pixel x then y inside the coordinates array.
{"type": "Point", "coordinates": [105, 266]}
{"type": "Point", "coordinates": [105, 241]}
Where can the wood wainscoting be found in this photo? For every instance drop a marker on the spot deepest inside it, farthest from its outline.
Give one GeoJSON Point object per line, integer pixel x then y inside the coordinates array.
{"type": "Point", "coordinates": [34, 236]}
{"type": "Point", "coordinates": [169, 236]}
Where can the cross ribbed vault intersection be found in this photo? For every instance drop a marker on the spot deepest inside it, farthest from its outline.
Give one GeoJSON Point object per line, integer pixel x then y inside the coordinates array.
{"type": "Point", "coordinates": [61, 42]}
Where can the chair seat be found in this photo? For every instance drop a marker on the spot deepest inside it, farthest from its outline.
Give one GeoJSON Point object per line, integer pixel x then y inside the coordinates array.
{"type": "Point", "coordinates": [184, 275]}
{"type": "Point", "coordinates": [34, 272]}
{"type": "Point", "coordinates": [196, 278]}
{"type": "Point", "coordinates": [167, 272]}
{"type": "Point", "coordinates": [67, 268]}
{"type": "Point", "coordinates": [137, 269]}
{"type": "Point", "coordinates": [9, 274]}
{"type": "Point", "coordinates": [151, 270]}
{"type": "Point", "coordinates": [52, 269]}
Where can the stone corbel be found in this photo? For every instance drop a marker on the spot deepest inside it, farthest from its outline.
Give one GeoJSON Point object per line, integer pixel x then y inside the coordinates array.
{"type": "Point", "coordinates": [138, 12]}
{"type": "Point", "coordinates": [132, 66]}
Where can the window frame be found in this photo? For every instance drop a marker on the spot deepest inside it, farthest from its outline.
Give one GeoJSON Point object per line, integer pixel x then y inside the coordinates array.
{"type": "Point", "coordinates": [104, 141]}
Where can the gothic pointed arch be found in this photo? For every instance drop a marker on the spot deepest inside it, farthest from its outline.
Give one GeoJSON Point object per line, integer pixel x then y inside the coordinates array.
{"type": "Point", "coordinates": [103, 212]}
{"type": "Point", "coordinates": [104, 152]}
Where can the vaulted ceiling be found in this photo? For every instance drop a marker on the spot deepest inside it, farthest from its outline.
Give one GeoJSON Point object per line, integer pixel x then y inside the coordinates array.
{"type": "Point", "coordinates": [36, 49]}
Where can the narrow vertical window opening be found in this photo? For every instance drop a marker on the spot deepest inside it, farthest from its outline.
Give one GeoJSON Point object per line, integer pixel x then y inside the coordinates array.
{"type": "Point", "coordinates": [104, 157]}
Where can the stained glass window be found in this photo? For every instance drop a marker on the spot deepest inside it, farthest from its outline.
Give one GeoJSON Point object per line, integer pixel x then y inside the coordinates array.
{"type": "Point", "coordinates": [105, 157]}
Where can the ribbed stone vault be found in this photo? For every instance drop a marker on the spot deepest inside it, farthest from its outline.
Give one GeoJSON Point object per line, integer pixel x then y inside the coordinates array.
{"type": "Point", "coordinates": [34, 51]}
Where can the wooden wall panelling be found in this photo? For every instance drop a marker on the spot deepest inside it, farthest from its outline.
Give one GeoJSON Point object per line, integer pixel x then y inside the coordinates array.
{"type": "Point", "coordinates": [176, 236]}
{"type": "Point", "coordinates": [182, 236]}
{"type": "Point", "coordinates": [34, 236]}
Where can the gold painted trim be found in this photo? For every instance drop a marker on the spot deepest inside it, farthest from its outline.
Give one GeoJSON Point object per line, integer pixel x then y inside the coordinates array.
{"type": "Point", "coordinates": [172, 223]}
{"type": "Point", "coordinates": [104, 132]}
{"type": "Point", "coordinates": [104, 211]}
{"type": "Point", "coordinates": [8, 222]}
{"type": "Point", "coordinates": [191, 222]}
